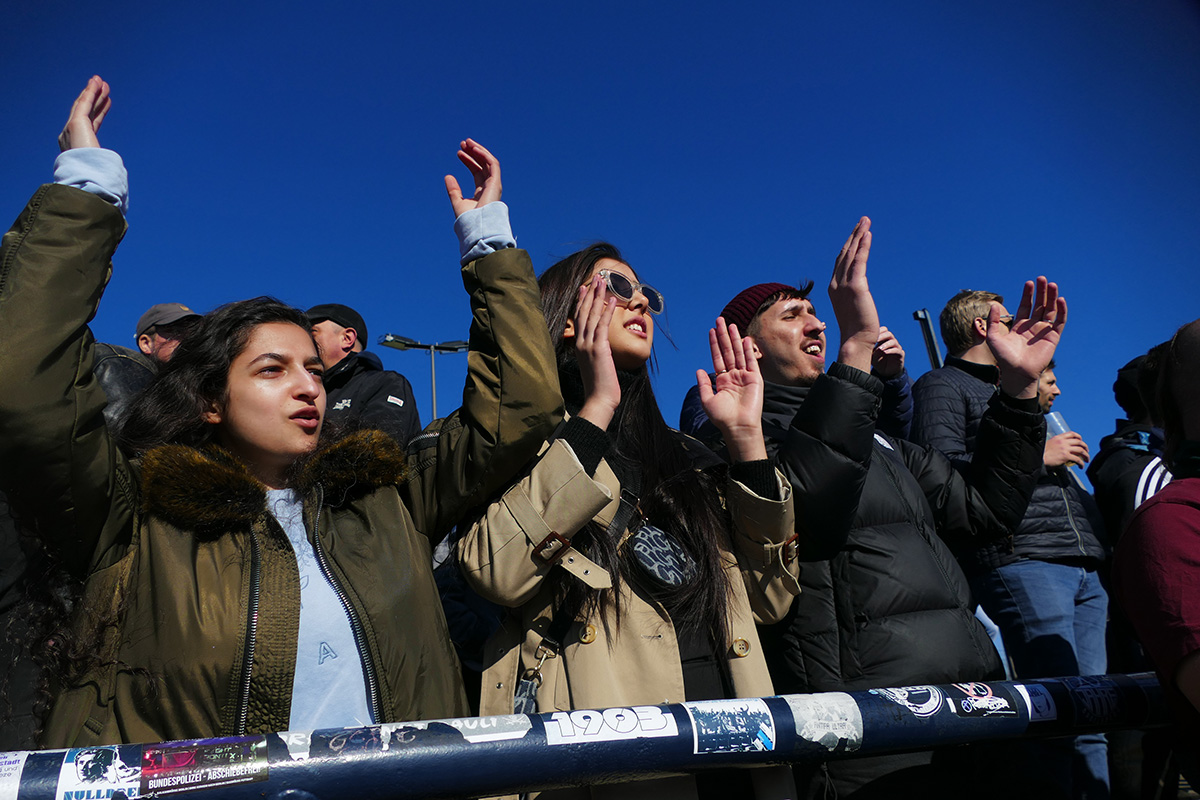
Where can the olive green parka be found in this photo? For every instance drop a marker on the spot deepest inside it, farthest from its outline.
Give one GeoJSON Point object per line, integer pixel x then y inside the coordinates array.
{"type": "Point", "coordinates": [191, 590]}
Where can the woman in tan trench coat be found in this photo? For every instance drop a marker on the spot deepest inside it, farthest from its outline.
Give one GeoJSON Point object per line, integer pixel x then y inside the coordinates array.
{"type": "Point", "coordinates": [634, 563]}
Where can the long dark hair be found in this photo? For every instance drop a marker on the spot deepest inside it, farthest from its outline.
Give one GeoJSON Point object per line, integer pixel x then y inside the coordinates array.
{"type": "Point", "coordinates": [676, 497]}
{"type": "Point", "coordinates": [65, 640]}
{"type": "Point", "coordinates": [171, 410]}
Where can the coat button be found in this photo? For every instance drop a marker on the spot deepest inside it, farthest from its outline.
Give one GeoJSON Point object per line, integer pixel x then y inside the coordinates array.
{"type": "Point", "coordinates": [588, 634]}
{"type": "Point", "coordinates": [741, 648]}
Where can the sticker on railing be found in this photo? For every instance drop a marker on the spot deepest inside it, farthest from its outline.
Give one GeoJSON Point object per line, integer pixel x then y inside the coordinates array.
{"type": "Point", "coordinates": [609, 725]}
{"type": "Point", "coordinates": [1040, 703]}
{"type": "Point", "coordinates": [731, 726]}
{"type": "Point", "coordinates": [11, 765]}
{"type": "Point", "coordinates": [1096, 699]}
{"type": "Point", "coordinates": [185, 766]}
{"type": "Point", "coordinates": [89, 772]}
{"type": "Point", "coordinates": [983, 700]}
{"type": "Point", "coordinates": [922, 701]}
{"type": "Point", "coordinates": [831, 720]}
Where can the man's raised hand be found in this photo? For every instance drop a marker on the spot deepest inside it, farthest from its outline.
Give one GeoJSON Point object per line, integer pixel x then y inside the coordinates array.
{"type": "Point", "coordinates": [734, 405]}
{"type": "Point", "coordinates": [86, 117]}
{"type": "Point", "coordinates": [485, 169]}
{"type": "Point", "coordinates": [1024, 352]}
{"type": "Point", "coordinates": [850, 296]}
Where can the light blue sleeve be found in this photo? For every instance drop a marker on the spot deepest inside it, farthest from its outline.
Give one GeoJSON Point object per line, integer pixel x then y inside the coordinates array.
{"type": "Point", "coordinates": [482, 231]}
{"type": "Point", "coordinates": [95, 170]}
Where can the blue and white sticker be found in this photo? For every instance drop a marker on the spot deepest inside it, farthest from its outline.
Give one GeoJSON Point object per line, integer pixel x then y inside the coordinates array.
{"type": "Point", "coordinates": [100, 772]}
{"type": "Point", "coordinates": [1040, 703]}
{"type": "Point", "coordinates": [609, 725]}
{"type": "Point", "coordinates": [731, 726]}
{"type": "Point", "coordinates": [11, 765]}
{"type": "Point", "coordinates": [922, 701]}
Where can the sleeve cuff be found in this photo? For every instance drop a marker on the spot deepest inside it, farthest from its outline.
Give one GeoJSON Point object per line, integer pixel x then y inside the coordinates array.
{"type": "Point", "coordinates": [482, 231]}
{"type": "Point", "coordinates": [96, 170]}
{"type": "Point", "coordinates": [588, 441]}
{"type": "Point", "coordinates": [757, 476]}
{"type": "Point", "coordinates": [1027, 406]}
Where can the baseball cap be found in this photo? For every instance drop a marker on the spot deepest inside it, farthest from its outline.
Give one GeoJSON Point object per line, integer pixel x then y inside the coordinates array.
{"type": "Point", "coordinates": [345, 316]}
{"type": "Point", "coordinates": [162, 314]}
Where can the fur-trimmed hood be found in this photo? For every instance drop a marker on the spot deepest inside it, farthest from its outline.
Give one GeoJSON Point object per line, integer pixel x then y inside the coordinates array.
{"type": "Point", "coordinates": [209, 492]}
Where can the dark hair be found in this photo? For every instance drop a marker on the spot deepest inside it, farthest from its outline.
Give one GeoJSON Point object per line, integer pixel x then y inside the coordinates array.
{"type": "Point", "coordinates": [1178, 379]}
{"type": "Point", "coordinates": [676, 497]}
{"type": "Point", "coordinates": [171, 409]}
{"type": "Point", "coordinates": [64, 639]}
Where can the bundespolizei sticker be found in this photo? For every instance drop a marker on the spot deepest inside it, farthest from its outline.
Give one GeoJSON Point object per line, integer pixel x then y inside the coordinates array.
{"type": "Point", "coordinates": [731, 726]}
{"type": "Point", "coordinates": [184, 766]}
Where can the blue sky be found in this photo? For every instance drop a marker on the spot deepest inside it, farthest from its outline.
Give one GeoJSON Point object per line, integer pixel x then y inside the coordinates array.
{"type": "Point", "coordinates": [298, 150]}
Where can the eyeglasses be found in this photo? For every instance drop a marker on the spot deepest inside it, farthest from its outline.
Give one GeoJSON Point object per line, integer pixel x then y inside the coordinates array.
{"type": "Point", "coordinates": [1007, 321]}
{"type": "Point", "coordinates": [625, 289]}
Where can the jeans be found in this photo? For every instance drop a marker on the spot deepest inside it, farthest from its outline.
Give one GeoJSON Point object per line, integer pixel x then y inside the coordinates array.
{"type": "Point", "coordinates": [1052, 618]}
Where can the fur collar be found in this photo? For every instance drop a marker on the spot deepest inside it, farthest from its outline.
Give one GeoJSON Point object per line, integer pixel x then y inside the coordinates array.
{"type": "Point", "coordinates": [209, 492]}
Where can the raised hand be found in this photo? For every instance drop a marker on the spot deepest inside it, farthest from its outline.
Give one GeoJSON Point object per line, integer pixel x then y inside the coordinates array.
{"type": "Point", "coordinates": [601, 389]}
{"type": "Point", "coordinates": [888, 357]}
{"type": "Point", "coordinates": [1024, 352]}
{"type": "Point", "coordinates": [86, 117]}
{"type": "Point", "coordinates": [485, 169]}
{"type": "Point", "coordinates": [850, 296]}
{"type": "Point", "coordinates": [735, 403]}
{"type": "Point", "coordinates": [1066, 448]}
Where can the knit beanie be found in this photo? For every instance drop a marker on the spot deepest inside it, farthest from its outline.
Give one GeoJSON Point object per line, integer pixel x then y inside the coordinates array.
{"type": "Point", "coordinates": [741, 309]}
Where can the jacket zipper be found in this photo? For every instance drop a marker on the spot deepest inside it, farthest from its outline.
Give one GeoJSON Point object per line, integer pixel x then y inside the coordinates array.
{"type": "Point", "coordinates": [251, 632]}
{"type": "Point", "coordinates": [360, 637]}
{"type": "Point", "coordinates": [1071, 519]}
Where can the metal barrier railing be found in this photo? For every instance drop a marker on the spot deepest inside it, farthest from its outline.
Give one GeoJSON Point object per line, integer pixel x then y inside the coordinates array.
{"type": "Point", "coordinates": [499, 755]}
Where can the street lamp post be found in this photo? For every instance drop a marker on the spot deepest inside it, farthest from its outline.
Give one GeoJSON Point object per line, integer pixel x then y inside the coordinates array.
{"type": "Point", "coordinates": [405, 343]}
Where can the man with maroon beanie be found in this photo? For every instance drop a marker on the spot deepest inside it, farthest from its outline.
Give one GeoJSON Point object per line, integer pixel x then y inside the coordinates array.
{"type": "Point", "coordinates": [884, 603]}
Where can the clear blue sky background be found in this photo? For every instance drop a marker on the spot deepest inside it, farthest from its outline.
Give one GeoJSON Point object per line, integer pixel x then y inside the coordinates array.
{"type": "Point", "coordinates": [297, 149]}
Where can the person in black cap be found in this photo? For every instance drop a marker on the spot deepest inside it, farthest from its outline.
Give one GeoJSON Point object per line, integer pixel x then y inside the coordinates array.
{"type": "Point", "coordinates": [162, 328]}
{"type": "Point", "coordinates": [360, 391]}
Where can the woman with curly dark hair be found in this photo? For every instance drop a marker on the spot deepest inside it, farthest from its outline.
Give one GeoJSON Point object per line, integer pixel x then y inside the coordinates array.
{"type": "Point", "coordinates": [244, 570]}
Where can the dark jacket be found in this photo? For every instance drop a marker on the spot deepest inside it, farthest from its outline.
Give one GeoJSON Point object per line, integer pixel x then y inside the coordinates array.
{"type": "Point", "coordinates": [950, 403]}
{"type": "Point", "coordinates": [191, 589]}
{"type": "Point", "coordinates": [895, 414]}
{"type": "Point", "coordinates": [123, 373]}
{"type": "Point", "coordinates": [360, 392]}
{"type": "Point", "coordinates": [888, 605]}
{"type": "Point", "coordinates": [1126, 472]}
{"type": "Point", "coordinates": [1061, 523]}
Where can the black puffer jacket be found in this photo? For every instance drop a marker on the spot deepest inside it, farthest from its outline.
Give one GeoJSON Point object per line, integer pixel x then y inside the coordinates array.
{"type": "Point", "coordinates": [890, 606]}
{"type": "Point", "coordinates": [1063, 523]}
